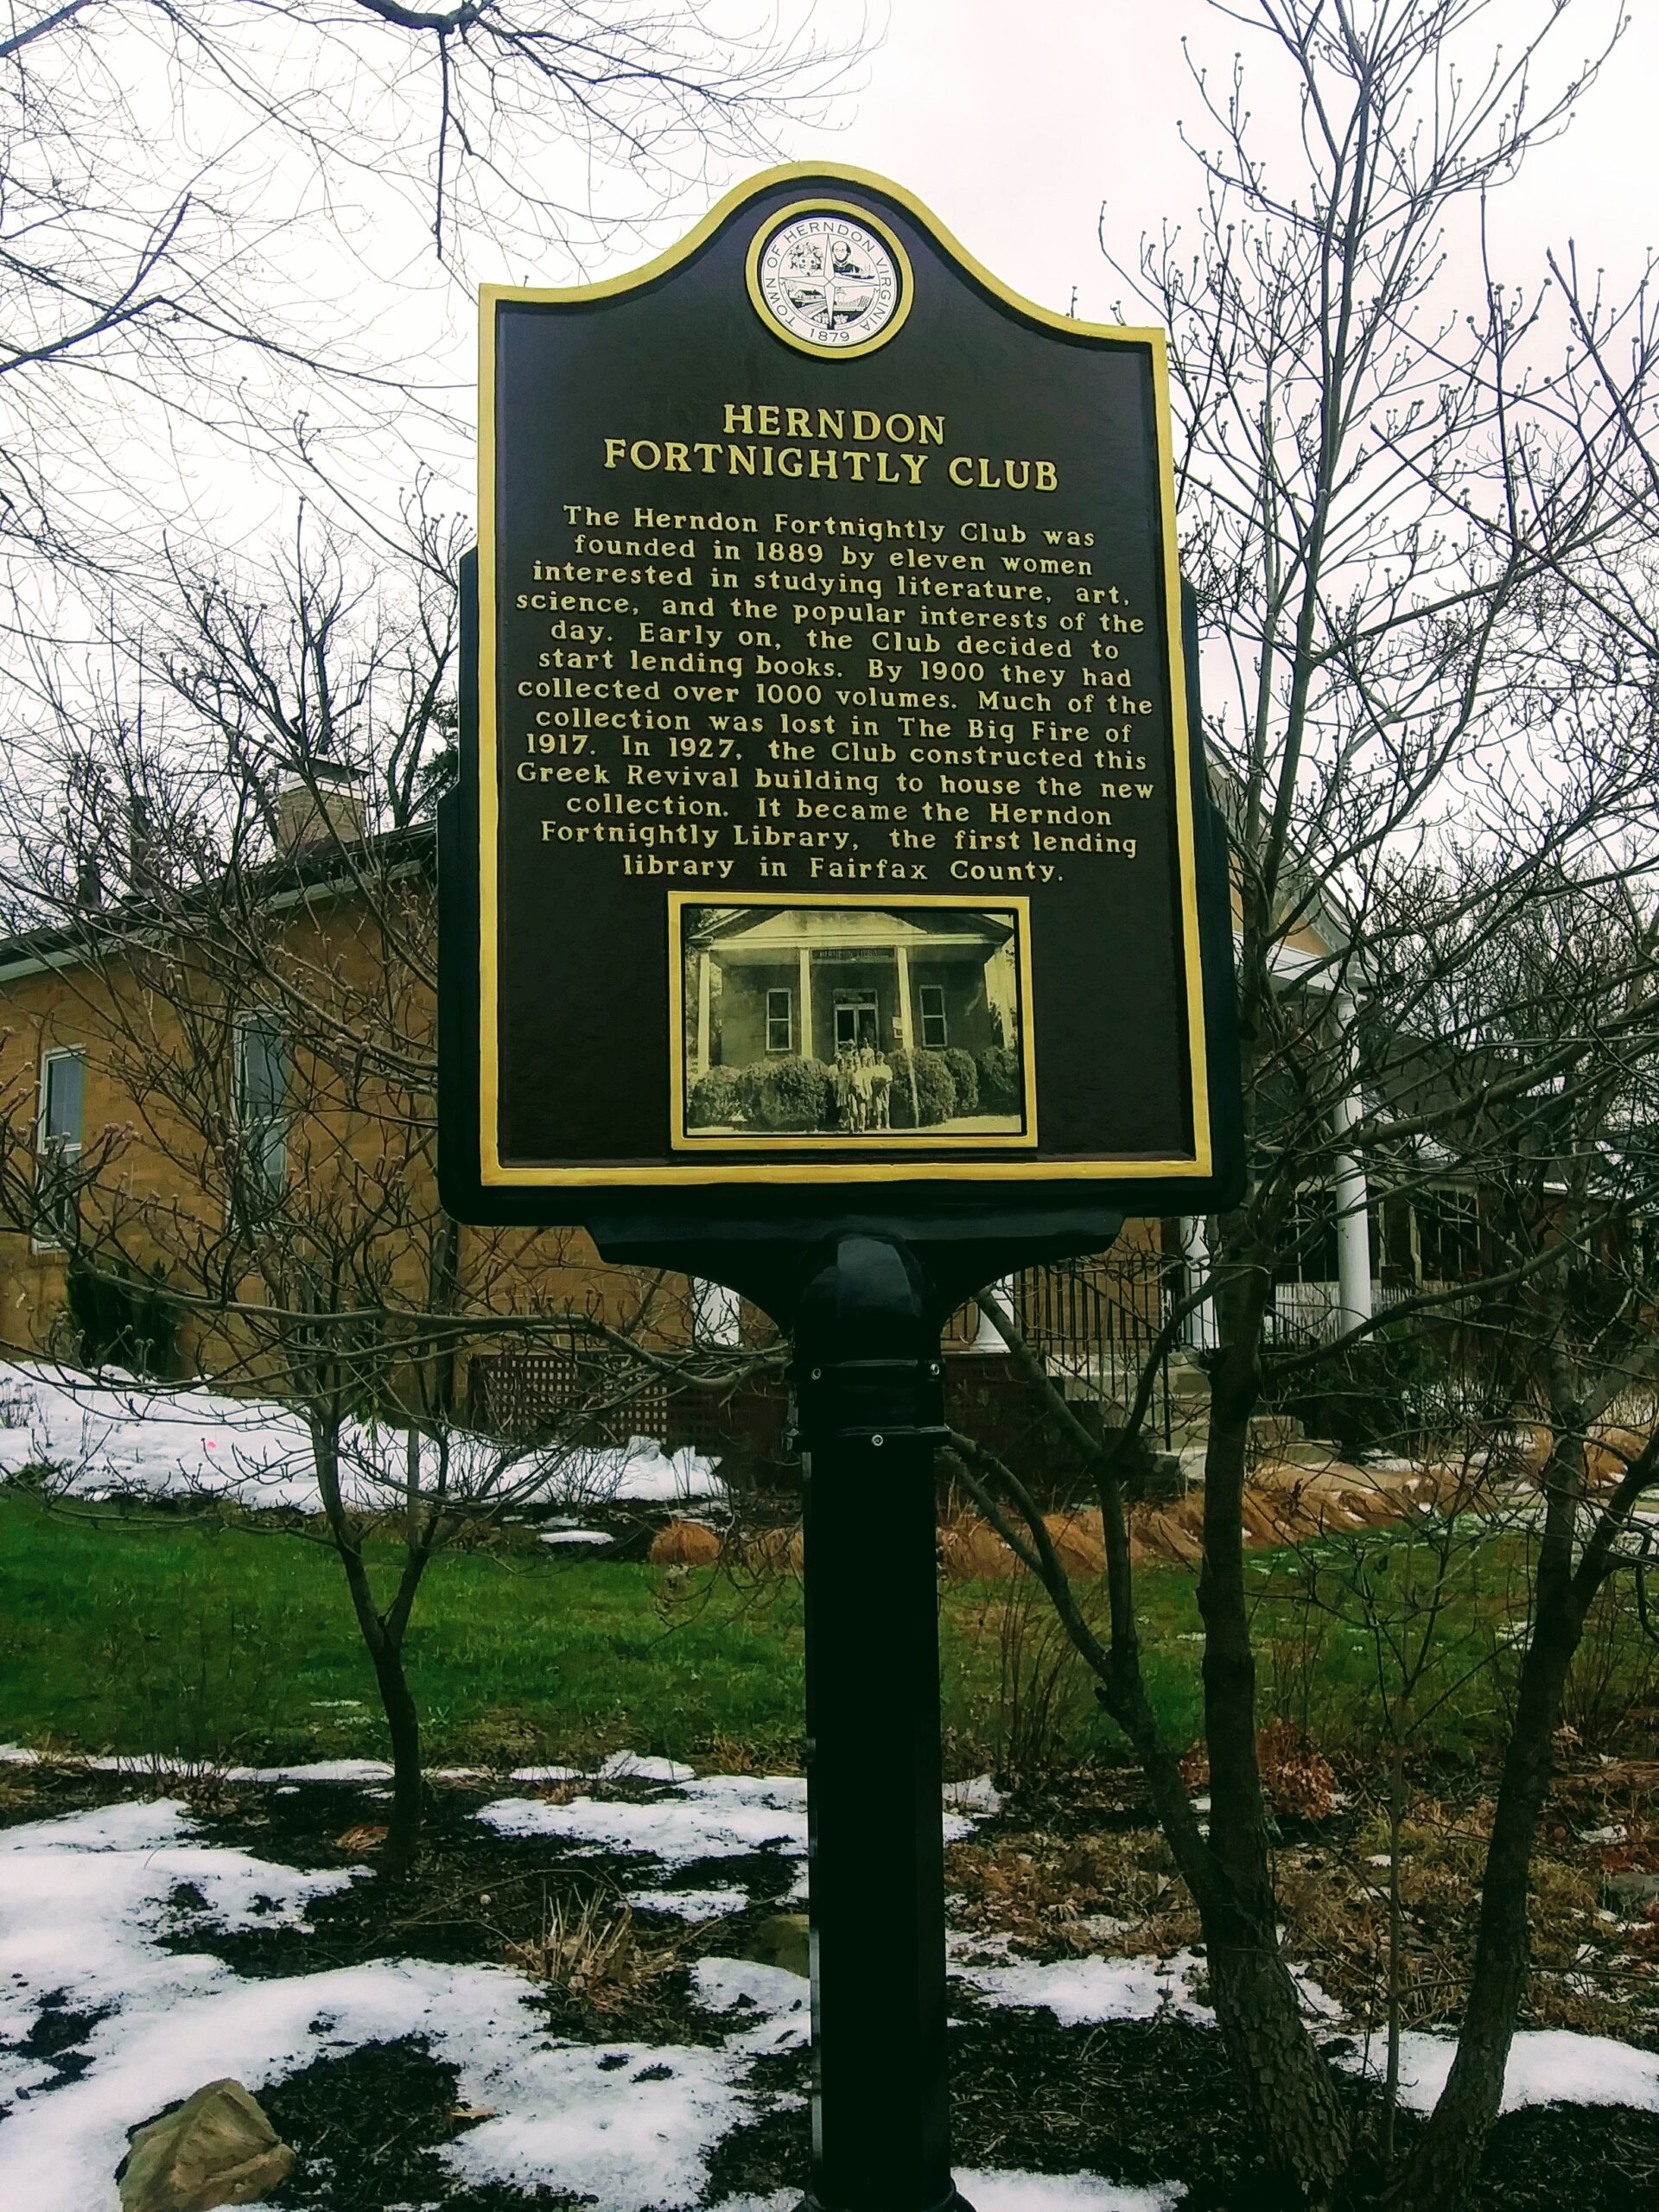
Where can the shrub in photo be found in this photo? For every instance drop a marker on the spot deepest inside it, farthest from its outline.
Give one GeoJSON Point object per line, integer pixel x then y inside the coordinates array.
{"type": "Point", "coordinates": [1000, 1081]}
{"type": "Point", "coordinates": [787, 1094]}
{"type": "Point", "coordinates": [715, 1100]}
{"type": "Point", "coordinates": [923, 1090]}
{"type": "Point", "coordinates": [964, 1073]}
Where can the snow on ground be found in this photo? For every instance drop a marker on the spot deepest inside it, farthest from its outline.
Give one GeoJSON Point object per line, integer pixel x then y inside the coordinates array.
{"type": "Point", "coordinates": [713, 1816]}
{"type": "Point", "coordinates": [85, 1902]}
{"type": "Point", "coordinates": [710, 1816]}
{"type": "Point", "coordinates": [1081, 1992]}
{"type": "Point", "coordinates": [1547, 2066]}
{"type": "Point", "coordinates": [123, 1434]}
{"type": "Point", "coordinates": [689, 1905]}
{"type": "Point", "coordinates": [1006, 2192]}
{"type": "Point", "coordinates": [98, 1909]}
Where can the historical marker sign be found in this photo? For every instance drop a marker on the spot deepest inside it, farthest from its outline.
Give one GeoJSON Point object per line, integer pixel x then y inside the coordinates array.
{"type": "Point", "coordinates": [834, 817]}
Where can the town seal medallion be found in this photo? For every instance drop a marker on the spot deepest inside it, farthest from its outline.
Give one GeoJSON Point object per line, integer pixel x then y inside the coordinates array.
{"type": "Point", "coordinates": [830, 279]}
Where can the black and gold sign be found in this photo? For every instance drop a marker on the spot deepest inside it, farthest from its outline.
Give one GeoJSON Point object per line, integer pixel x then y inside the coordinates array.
{"type": "Point", "coordinates": [833, 818]}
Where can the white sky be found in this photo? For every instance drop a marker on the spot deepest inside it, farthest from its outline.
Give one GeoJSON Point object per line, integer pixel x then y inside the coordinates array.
{"type": "Point", "coordinates": [1014, 119]}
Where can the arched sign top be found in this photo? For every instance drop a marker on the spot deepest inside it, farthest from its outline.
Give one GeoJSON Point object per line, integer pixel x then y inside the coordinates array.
{"type": "Point", "coordinates": [831, 811]}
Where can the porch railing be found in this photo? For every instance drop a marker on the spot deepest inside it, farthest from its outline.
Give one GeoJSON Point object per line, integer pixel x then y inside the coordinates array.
{"type": "Point", "coordinates": [1095, 1322]}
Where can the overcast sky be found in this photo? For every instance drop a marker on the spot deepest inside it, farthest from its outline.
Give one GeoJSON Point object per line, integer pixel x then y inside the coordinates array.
{"type": "Point", "coordinates": [1014, 119]}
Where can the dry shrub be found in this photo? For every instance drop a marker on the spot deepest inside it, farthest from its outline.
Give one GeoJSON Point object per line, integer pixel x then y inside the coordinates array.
{"type": "Point", "coordinates": [775, 1551]}
{"type": "Point", "coordinates": [367, 1835]}
{"type": "Point", "coordinates": [1607, 1457]}
{"type": "Point", "coordinates": [684, 1543]}
{"type": "Point", "coordinates": [1079, 1541]}
{"type": "Point", "coordinates": [1114, 1889]}
{"type": "Point", "coordinates": [1294, 1777]}
{"type": "Point", "coordinates": [971, 1551]}
{"type": "Point", "coordinates": [591, 1953]}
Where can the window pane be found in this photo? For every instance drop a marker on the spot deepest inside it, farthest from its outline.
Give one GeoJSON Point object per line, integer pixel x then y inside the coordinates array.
{"type": "Point", "coordinates": [64, 1078]}
{"type": "Point", "coordinates": [779, 1020]}
{"type": "Point", "coordinates": [935, 1035]}
{"type": "Point", "coordinates": [264, 1072]}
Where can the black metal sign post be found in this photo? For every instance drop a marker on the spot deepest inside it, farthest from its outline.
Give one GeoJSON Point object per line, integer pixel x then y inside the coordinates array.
{"type": "Point", "coordinates": [831, 908]}
{"type": "Point", "coordinates": [869, 1395]}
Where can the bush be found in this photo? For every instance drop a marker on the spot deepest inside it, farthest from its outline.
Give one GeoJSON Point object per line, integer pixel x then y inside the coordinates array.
{"type": "Point", "coordinates": [1378, 1396]}
{"type": "Point", "coordinates": [936, 1089]}
{"type": "Point", "coordinates": [123, 1319]}
{"type": "Point", "coordinates": [715, 1100]}
{"type": "Point", "coordinates": [965, 1075]}
{"type": "Point", "coordinates": [787, 1095]}
{"type": "Point", "coordinates": [1001, 1081]}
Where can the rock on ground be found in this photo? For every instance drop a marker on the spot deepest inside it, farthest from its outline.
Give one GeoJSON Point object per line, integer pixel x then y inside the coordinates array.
{"type": "Point", "coordinates": [215, 2148]}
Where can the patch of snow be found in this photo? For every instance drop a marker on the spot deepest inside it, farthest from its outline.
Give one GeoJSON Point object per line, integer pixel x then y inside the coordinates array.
{"type": "Point", "coordinates": [337, 1770]}
{"type": "Point", "coordinates": [629, 1766]}
{"type": "Point", "coordinates": [691, 1905]}
{"type": "Point", "coordinates": [774, 2006]}
{"type": "Point", "coordinates": [86, 1901]}
{"type": "Point", "coordinates": [575, 1536]}
{"type": "Point", "coordinates": [547, 1774]}
{"type": "Point", "coordinates": [1547, 2066]}
{"type": "Point", "coordinates": [120, 1433]}
{"type": "Point", "coordinates": [1017, 2192]}
{"type": "Point", "coordinates": [718, 1816]}
{"type": "Point", "coordinates": [569, 2110]}
{"type": "Point", "coordinates": [724, 1984]}
{"type": "Point", "coordinates": [710, 1816]}
{"type": "Point", "coordinates": [980, 1795]}
{"type": "Point", "coordinates": [1617, 1832]}
{"type": "Point", "coordinates": [1081, 1992]}
{"type": "Point", "coordinates": [648, 1475]}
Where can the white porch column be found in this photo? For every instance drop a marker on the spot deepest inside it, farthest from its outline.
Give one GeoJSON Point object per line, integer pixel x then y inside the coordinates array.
{"type": "Point", "coordinates": [902, 1029]}
{"type": "Point", "coordinates": [1198, 1332]}
{"type": "Point", "coordinates": [1348, 1182]}
{"type": "Point", "coordinates": [986, 1338]}
{"type": "Point", "coordinates": [715, 1313]}
{"type": "Point", "coordinates": [701, 1064]}
{"type": "Point", "coordinates": [804, 1043]}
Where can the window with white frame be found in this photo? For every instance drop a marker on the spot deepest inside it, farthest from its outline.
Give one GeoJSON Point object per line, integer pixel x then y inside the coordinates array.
{"type": "Point", "coordinates": [1448, 1233]}
{"type": "Point", "coordinates": [58, 1143]}
{"type": "Point", "coordinates": [781, 1021]}
{"type": "Point", "coordinates": [1307, 1237]}
{"type": "Point", "coordinates": [262, 1103]}
{"type": "Point", "coordinates": [936, 1034]}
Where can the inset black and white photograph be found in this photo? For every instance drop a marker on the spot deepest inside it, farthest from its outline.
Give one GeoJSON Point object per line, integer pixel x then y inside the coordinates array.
{"type": "Point", "coordinates": [803, 1020]}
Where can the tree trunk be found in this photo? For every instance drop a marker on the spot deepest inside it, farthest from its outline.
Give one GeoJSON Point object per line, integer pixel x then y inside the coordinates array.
{"type": "Point", "coordinates": [1440, 2177]}
{"type": "Point", "coordinates": [404, 1729]}
{"type": "Point", "coordinates": [1288, 2093]}
{"type": "Point", "coordinates": [384, 1639]}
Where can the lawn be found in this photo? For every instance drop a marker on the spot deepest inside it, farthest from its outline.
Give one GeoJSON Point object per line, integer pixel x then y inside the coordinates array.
{"type": "Point", "coordinates": [153, 1632]}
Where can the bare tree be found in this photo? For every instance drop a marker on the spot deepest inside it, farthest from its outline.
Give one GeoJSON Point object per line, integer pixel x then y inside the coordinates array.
{"type": "Point", "coordinates": [239, 927]}
{"type": "Point", "coordinates": [1434, 757]}
{"type": "Point", "coordinates": [215, 211]}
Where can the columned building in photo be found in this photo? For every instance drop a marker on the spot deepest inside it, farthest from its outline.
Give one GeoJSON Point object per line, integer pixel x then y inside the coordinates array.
{"type": "Point", "coordinates": [812, 981]}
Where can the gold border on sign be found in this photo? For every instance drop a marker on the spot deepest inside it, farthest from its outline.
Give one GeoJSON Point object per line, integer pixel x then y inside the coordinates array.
{"type": "Point", "coordinates": [1018, 906]}
{"type": "Point", "coordinates": [492, 1173]}
{"type": "Point", "coordinates": [757, 298]}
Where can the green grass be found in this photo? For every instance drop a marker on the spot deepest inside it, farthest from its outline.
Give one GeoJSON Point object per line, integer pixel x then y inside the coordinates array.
{"type": "Point", "coordinates": [152, 1633]}
{"type": "Point", "coordinates": [157, 1635]}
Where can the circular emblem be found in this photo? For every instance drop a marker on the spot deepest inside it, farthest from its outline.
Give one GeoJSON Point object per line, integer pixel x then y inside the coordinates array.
{"type": "Point", "coordinates": [830, 279]}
